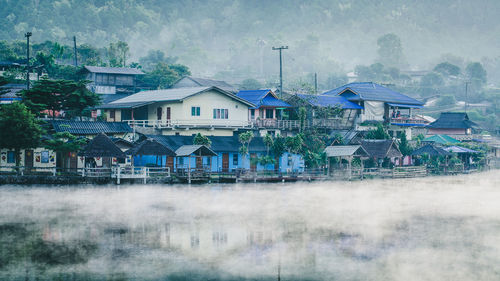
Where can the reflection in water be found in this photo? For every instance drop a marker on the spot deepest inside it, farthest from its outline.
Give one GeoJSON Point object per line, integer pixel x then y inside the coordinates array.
{"type": "Point", "coordinates": [420, 229]}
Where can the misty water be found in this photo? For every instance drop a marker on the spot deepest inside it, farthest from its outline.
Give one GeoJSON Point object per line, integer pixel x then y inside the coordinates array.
{"type": "Point", "coordinates": [435, 228]}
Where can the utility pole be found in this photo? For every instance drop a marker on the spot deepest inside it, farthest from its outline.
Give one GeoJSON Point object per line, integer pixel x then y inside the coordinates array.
{"type": "Point", "coordinates": [466, 95]}
{"type": "Point", "coordinates": [281, 67]}
{"type": "Point", "coordinates": [315, 83]}
{"type": "Point", "coordinates": [28, 35]}
{"type": "Point", "coordinates": [74, 50]}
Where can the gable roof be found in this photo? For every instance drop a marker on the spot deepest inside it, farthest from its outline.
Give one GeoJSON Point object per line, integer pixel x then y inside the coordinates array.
{"type": "Point", "coordinates": [114, 70]}
{"type": "Point", "coordinates": [262, 98]}
{"type": "Point", "coordinates": [90, 127]}
{"type": "Point", "coordinates": [219, 143]}
{"type": "Point", "coordinates": [345, 150]}
{"type": "Point", "coordinates": [150, 147]}
{"type": "Point", "coordinates": [441, 139]}
{"type": "Point", "coordinates": [102, 146]}
{"type": "Point", "coordinates": [431, 150]}
{"type": "Point", "coordinates": [204, 82]}
{"type": "Point", "coordinates": [453, 120]}
{"type": "Point", "coordinates": [459, 149]}
{"type": "Point", "coordinates": [372, 92]}
{"type": "Point", "coordinates": [172, 95]}
{"type": "Point", "coordinates": [198, 150]}
{"type": "Point", "coordinates": [381, 148]}
{"type": "Point", "coordinates": [328, 101]}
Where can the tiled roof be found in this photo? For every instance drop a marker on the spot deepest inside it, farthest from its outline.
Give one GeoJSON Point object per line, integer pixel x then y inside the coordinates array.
{"type": "Point", "coordinates": [262, 98]}
{"type": "Point", "coordinates": [381, 148]}
{"type": "Point", "coordinates": [372, 92]}
{"type": "Point", "coordinates": [12, 91]}
{"type": "Point", "coordinates": [177, 94]}
{"type": "Point", "coordinates": [114, 70]}
{"type": "Point", "coordinates": [123, 105]}
{"type": "Point", "coordinates": [453, 120]}
{"type": "Point", "coordinates": [90, 127]}
{"type": "Point", "coordinates": [329, 101]}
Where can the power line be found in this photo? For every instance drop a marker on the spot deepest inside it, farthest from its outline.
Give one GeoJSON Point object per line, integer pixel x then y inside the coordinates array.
{"type": "Point", "coordinates": [281, 67]}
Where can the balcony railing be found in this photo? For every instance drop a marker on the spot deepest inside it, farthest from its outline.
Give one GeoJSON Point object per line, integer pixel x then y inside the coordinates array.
{"type": "Point", "coordinates": [338, 123]}
{"type": "Point", "coordinates": [408, 120]}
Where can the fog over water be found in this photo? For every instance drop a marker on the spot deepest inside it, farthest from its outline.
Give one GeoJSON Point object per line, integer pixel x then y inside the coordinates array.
{"type": "Point", "coordinates": [434, 228]}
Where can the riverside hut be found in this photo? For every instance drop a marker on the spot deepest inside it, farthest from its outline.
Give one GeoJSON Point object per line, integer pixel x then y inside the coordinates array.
{"type": "Point", "coordinates": [382, 149]}
{"type": "Point", "coordinates": [101, 153]}
{"type": "Point", "coordinates": [149, 149]}
{"type": "Point", "coordinates": [185, 169]}
{"type": "Point", "coordinates": [347, 152]}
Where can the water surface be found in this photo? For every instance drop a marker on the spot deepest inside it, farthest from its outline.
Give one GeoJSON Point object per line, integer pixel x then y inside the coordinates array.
{"type": "Point", "coordinates": [435, 228]}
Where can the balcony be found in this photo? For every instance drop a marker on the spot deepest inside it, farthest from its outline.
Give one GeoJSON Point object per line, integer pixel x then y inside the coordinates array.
{"type": "Point", "coordinates": [337, 123]}
{"type": "Point", "coordinates": [190, 123]}
{"type": "Point", "coordinates": [408, 120]}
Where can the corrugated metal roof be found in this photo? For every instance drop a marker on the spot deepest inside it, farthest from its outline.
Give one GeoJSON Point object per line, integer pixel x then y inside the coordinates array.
{"type": "Point", "coordinates": [219, 143]}
{"type": "Point", "coordinates": [173, 95]}
{"type": "Point", "coordinates": [453, 120]}
{"type": "Point", "coordinates": [345, 150]}
{"type": "Point", "coordinates": [211, 82]}
{"type": "Point", "coordinates": [402, 105]}
{"type": "Point", "coordinates": [262, 98]}
{"type": "Point", "coordinates": [442, 139]}
{"type": "Point", "coordinates": [329, 101]}
{"type": "Point", "coordinates": [459, 149]}
{"type": "Point", "coordinates": [198, 150]}
{"type": "Point", "coordinates": [150, 147]}
{"type": "Point", "coordinates": [124, 105]}
{"type": "Point", "coordinates": [372, 92]}
{"type": "Point", "coordinates": [90, 127]}
{"type": "Point", "coordinates": [114, 70]}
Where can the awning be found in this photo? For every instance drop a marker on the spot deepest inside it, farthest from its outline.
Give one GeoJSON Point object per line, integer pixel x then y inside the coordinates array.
{"type": "Point", "coordinates": [405, 105]}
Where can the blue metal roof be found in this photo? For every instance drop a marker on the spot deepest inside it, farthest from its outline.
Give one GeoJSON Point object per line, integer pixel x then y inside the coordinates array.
{"type": "Point", "coordinates": [372, 92]}
{"type": "Point", "coordinates": [262, 98]}
{"type": "Point", "coordinates": [332, 101]}
{"type": "Point", "coordinates": [90, 127]}
{"type": "Point", "coordinates": [405, 105]}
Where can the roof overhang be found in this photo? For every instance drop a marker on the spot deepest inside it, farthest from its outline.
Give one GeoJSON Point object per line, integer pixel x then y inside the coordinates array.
{"type": "Point", "coordinates": [402, 105]}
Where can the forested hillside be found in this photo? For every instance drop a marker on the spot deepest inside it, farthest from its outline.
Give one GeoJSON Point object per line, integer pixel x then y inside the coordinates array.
{"type": "Point", "coordinates": [233, 39]}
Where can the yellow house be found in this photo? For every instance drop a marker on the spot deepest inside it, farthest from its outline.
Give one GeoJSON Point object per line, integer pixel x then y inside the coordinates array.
{"type": "Point", "coordinates": [182, 111]}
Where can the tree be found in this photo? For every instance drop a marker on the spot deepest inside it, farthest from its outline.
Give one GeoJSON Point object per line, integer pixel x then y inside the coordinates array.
{"type": "Point", "coordinates": [268, 141]}
{"type": "Point", "coordinates": [431, 82]}
{"type": "Point", "coordinates": [278, 147]}
{"type": "Point", "coordinates": [199, 139]}
{"type": "Point", "coordinates": [476, 73]}
{"type": "Point", "coordinates": [245, 139]}
{"type": "Point", "coordinates": [390, 50]}
{"type": "Point", "coordinates": [404, 146]}
{"type": "Point", "coordinates": [447, 69]}
{"type": "Point", "coordinates": [80, 99]}
{"type": "Point", "coordinates": [3, 81]}
{"type": "Point", "coordinates": [378, 134]}
{"type": "Point", "coordinates": [250, 84]}
{"type": "Point", "coordinates": [153, 57]}
{"type": "Point", "coordinates": [64, 143]}
{"type": "Point", "coordinates": [118, 53]}
{"type": "Point", "coordinates": [89, 55]}
{"type": "Point", "coordinates": [18, 129]}
{"type": "Point", "coordinates": [162, 77]}
{"type": "Point", "coordinates": [294, 145]}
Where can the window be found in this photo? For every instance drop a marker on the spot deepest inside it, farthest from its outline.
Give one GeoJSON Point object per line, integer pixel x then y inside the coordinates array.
{"type": "Point", "coordinates": [45, 157]}
{"type": "Point", "coordinates": [221, 113]}
{"type": "Point", "coordinates": [112, 113]}
{"type": "Point", "coordinates": [269, 114]}
{"type": "Point", "coordinates": [235, 159]}
{"type": "Point", "coordinates": [289, 160]}
{"type": "Point", "coordinates": [252, 113]}
{"type": "Point", "coordinates": [195, 111]}
{"type": "Point", "coordinates": [11, 157]}
{"type": "Point", "coordinates": [181, 161]}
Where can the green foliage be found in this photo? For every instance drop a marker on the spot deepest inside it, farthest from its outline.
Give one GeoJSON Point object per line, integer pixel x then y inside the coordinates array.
{"type": "Point", "coordinates": [18, 128]}
{"type": "Point", "coordinates": [199, 139]}
{"type": "Point", "coordinates": [57, 95]}
{"type": "Point", "coordinates": [162, 76]}
{"type": "Point", "coordinates": [302, 117]}
{"type": "Point", "coordinates": [390, 50]}
{"type": "Point", "coordinates": [264, 160]}
{"type": "Point", "coordinates": [404, 146]}
{"type": "Point", "coordinates": [476, 73]}
{"type": "Point", "coordinates": [3, 81]}
{"type": "Point", "coordinates": [245, 139]}
{"type": "Point", "coordinates": [64, 142]}
{"type": "Point", "coordinates": [380, 133]}
{"type": "Point", "coordinates": [278, 147]}
{"type": "Point", "coordinates": [447, 69]}
{"type": "Point", "coordinates": [250, 84]}
{"type": "Point", "coordinates": [118, 53]}
{"type": "Point", "coordinates": [294, 144]}
{"type": "Point", "coordinates": [446, 100]}
{"type": "Point", "coordinates": [154, 57]}
{"type": "Point", "coordinates": [268, 141]}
